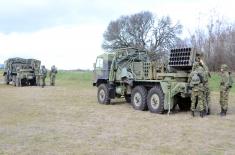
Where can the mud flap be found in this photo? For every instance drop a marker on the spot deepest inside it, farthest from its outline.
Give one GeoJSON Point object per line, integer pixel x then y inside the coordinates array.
{"type": "Point", "coordinates": [111, 92]}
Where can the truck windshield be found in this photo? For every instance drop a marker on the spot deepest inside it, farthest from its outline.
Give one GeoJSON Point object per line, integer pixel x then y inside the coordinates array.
{"type": "Point", "coordinates": [99, 63]}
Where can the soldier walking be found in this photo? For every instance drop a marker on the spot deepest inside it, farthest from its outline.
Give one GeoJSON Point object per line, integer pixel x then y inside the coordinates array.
{"type": "Point", "coordinates": [225, 85]}
{"type": "Point", "coordinates": [43, 73]}
{"type": "Point", "coordinates": [196, 83]}
{"type": "Point", "coordinates": [52, 74]}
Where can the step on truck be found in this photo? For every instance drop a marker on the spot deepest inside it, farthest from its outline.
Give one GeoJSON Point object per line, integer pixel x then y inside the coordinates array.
{"type": "Point", "coordinates": [145, 82]}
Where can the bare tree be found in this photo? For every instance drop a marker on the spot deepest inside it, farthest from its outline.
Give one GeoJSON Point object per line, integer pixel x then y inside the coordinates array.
{"type": "Point", "coordinates": [217, 42]}
{"type": "Point", "coordinates": [141, 30]}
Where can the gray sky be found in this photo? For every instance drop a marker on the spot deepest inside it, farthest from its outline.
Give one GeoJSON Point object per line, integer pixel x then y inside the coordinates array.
{"type": "Point", "coordinates": [68, 33]}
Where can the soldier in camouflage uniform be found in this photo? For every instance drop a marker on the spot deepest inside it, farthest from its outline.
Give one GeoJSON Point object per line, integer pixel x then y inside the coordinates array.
{"type": "Point", "coordinates": [207, 97]}
{"type": "Point", "coordinates": [196, 83]}
{"type": "Point", "coordinates": [43, 74]}
{"type": "Point", "coordinates": [224, 89]}
{"type": "Point", "coordinates": [36, 69]}
{"type": "Point", "coordinates": [207, 75]}
{"type": "Point", "coordinates": [53, 73]}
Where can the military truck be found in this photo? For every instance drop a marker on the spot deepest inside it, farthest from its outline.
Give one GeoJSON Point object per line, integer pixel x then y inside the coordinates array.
{"type": "Point", "coordinates": [21, 71]}
{"type": "Point", "coordinates": [144, 81]}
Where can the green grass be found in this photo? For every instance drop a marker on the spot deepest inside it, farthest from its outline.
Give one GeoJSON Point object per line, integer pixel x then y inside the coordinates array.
{"type": "Point", "coordinates": [76, 78]}
{"type": "Point", "coordinates": [214, 83]}
{"type": "Point", "coordinates": [84, 79]}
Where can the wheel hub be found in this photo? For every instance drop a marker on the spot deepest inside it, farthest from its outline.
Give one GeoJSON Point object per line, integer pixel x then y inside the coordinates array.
{"type": "Point", "coordinates": [102, 95]}
{"type": "Point", "coordinates": [137, 99]}
{"type": "Point", "coordinates": [155, 101]}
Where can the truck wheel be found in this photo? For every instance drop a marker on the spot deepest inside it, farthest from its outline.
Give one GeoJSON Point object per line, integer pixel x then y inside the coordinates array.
{"type": "Point", "coordinates": [128, 98]}
{"type": "Point", "coordinates": [14, 80]}
{"type": "Point", "coordinates": [139, 98]}
{"type": "Point", "coordinates": [155, 100]}
{"type": "Point", "coordinates": [6, 80]}
{"type": "Point", "coordinates": [102, 94]}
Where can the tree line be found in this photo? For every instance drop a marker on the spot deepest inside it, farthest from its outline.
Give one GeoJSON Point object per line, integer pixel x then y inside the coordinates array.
{"type": "Point", "coordinates": [146, 31]}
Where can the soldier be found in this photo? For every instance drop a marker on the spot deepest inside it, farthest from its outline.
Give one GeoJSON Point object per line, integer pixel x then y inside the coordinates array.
{"type": "Point", "coordinates": [43, 73]}
{"type": "Point", "coordinates": [207, 97]}
{"type": "Point", "coordinates": [225, 85]}
{"type": "Point", "coordinates": [196, 83]}
{"type": "Point", "coordinates": [53, 73]}
{"type": "Point", "coordinates": [207, 75]}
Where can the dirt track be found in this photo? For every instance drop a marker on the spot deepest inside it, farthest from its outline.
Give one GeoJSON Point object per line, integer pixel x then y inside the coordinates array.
{"type": "Point", "coordinates": [67, 120]}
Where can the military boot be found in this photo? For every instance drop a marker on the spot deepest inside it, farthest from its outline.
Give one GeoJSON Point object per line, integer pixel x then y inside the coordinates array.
{"type": "Point", "coordinates": [202, 114]}
{"type": "Point", "coordinates": [192, 113]}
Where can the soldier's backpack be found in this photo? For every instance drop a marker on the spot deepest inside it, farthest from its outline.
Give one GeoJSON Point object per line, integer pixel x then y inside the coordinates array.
{"type": "Point", "coordinates": [230, 80]}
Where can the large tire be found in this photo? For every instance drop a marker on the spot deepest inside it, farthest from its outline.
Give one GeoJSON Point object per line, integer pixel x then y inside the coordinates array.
{"type": "Point", "coordinates": [139, 98]}
{"type": "Point", "coordinates": [155, 100]}
{"type": "Point", "coordinates": [32, 82]}
{"type": "Point", "coordinates": [103, 94]}
{"type": "Point", "coordinates": [6, 80]}
{"type": "Point", "coordinates": [14, 80]}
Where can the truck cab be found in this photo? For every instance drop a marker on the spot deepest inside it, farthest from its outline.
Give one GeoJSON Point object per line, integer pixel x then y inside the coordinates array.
{"type": "Point", "coordinates": [102, 68]}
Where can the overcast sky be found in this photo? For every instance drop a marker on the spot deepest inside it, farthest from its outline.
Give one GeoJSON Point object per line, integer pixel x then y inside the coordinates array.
{"type": "Point", "coordinates": [68, 33]}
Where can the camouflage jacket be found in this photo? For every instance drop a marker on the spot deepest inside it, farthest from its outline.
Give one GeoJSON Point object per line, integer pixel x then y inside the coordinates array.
{"type": "Point", "coordinates": [43, 72]}
{"type": "Point", "coordinates": [206, 72]}
{"type": "Point", "coordinates": [53, 72]}
{"type": "Point", "coordinates": [224, 83]}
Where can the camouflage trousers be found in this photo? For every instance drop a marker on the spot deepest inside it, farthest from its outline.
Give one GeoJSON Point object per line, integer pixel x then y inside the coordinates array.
{"type": "Point", "coordinates": [52, 80]}
{"type": "Point", "coordinates": [43, 81]}
{"type": "Point", "coordinates": [207, 95]}
{"type": "Point", "coordinates": [224, 97]}
{"type": "Point", "coordinates": [197, 98]}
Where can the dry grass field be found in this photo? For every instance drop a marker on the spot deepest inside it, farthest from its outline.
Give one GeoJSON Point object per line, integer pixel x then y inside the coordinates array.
{"type": "Point", "coordinates": [66, 119]}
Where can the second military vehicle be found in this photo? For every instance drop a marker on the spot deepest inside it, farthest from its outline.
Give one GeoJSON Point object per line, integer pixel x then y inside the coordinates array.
{"type": "Point", "coordinates": [21, 71]}
{"type": "Point", "coordinates": [144, 81]}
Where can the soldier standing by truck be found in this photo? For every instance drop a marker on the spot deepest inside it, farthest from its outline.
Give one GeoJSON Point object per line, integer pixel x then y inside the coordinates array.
{"type": "Point", "coordinates": [225, 85]}
{"type": "Point", "coordinates": [196, 79]}
{"type": "Point", "coordinates": [43, 74]}
{"type": "Point", "coordinates": [207, 75]}
{"type": "Point", "coordinates": [52, 75]}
